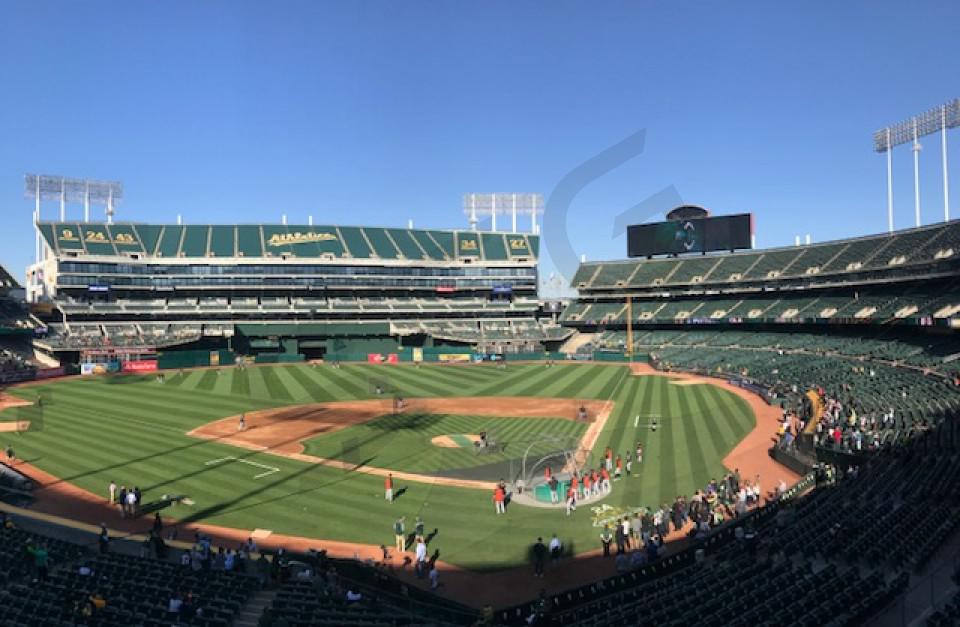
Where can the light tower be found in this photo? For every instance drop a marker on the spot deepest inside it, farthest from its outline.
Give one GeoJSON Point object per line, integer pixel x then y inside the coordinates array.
{"type": "Point", "coordinates": [910, 131]}
{"type": "Point", "coordinates": [477, 206]}
{"type": "Point", "coordinates": [38, 187]}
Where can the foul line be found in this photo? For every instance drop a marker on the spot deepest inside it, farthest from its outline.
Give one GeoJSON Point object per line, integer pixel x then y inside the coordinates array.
{"type": "Point", "coordinates": [270, 469]}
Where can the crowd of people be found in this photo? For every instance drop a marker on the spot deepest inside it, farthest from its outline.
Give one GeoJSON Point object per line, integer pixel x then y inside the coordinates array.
{"type": "Point", "coordinates": [128, 500]}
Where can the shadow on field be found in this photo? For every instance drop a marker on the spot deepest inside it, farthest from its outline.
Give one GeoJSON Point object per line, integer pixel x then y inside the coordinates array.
{"type": "Point", "coordinates": [394, 422]}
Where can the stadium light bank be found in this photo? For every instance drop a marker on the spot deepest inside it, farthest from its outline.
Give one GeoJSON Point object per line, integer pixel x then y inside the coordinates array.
{"type": "Point", "coordinates": [911, 130]}
{"type": "Point", "coordinates": [39, 187]}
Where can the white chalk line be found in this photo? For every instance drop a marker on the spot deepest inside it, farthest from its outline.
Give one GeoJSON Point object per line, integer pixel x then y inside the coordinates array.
{"type": "Point", "coordinates": [230, 458]}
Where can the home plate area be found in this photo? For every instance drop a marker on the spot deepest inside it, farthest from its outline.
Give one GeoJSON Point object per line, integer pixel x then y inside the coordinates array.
{"type": "Point", "coordinates": [223, 460]}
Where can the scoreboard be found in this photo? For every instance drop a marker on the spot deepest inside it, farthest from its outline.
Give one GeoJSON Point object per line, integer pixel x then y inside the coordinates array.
{"type": "Point", "coordinates": [696, 235]}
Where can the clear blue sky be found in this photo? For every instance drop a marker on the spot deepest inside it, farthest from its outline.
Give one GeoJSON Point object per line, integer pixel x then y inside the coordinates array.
{"type": "Point", "coordinates": [378, 112]}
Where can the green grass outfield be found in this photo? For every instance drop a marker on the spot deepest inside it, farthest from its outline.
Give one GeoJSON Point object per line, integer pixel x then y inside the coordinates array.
{"type": "Point", "coordinates": [132, 430]}
{"type": "Point", "coordinates": [403, 441]}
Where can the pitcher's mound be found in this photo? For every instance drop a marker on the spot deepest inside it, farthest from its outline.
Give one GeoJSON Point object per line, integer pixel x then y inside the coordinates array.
{"type": "Point", "coordinates": [456, 440]}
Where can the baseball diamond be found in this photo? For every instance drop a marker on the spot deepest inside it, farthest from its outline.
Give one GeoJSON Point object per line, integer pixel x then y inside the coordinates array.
{"type": "Point", "coordinates": [122, 426]}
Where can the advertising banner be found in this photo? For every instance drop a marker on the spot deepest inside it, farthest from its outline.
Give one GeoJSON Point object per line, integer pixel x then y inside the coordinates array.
{"type": "Point", "coordinates": [393, 358]}
{"type": "Point", "coordinates": [48, 373]}
{"type": "Point", "coordinates": [139, 365]}
{"type": "Point", "coordinates": [417, 355]}
{"type": "Point", "coordinates": [454, 357]}
{"type": "Point", "coordinates": [374, 358]}
{"type": "Point", "coordinates": [99, 368]}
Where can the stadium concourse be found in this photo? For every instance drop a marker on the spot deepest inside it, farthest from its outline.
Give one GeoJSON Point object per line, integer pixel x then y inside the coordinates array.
{"type": "Point", "coordinates": [829, 369]}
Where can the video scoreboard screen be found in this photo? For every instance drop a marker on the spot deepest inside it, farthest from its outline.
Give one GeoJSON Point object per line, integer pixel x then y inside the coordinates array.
{"type": "Point", "coordinates": [690, 236]}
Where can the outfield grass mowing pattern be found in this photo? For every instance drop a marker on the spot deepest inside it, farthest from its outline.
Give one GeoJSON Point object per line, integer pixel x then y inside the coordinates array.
{"type": "Point", "coordinates": [131, 429]}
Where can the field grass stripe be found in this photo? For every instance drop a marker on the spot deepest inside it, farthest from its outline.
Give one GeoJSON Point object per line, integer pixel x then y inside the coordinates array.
{"type": "Point", "coordinates": [275, 386]}
{"type": "Point", "coordinates": [311, 386]}
{"type": "Point", "coordinates": [720, 443]}
{"type": "Point", "coordinates": [693, 457]}
{"type": "Point", "coordinates": [240, 383]}
{"type": "Point", "coordinates": [510, 377]}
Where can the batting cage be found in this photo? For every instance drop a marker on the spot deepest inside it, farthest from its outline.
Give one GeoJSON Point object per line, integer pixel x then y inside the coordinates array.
{"type": "Point", "coordinates": [562, 455]}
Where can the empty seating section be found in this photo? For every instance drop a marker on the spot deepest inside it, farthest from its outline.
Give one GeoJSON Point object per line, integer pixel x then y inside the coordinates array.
{"type": "Point", "coordinates": [444, 239]}
{"type": "Point", "coordinates": [771, 262]}
{"type": "Point", "coordinates": [732, 267]}
{"type": "Point", "coordinates": [246, 240]}
{"type": "Point", "coordinates": [429, 245]}
{"type": "Point", "coordinates": [923, 245]}
{"type": "Point", "coordinates": [149, 235]}
{"type": "Point", "coordinates": [647, 272]}
{"type": "Point", "coordinates": [814, 258]}
{"type": "Point", "coordinates": [613, 274]}
{"type": "Point", "coordinates": [493, 246]}
{"type": "Point", "coordinates": [169, 244]}
{"type": "Point", "coordinates": [194, 242]}
{"type": "Point", "coordinates": [355, 242]}
{"type": "Point", "coordinates": [405, 242]}
{"type": "Point", "coordinates": [383, 246]}
{"type": "Point", "coordinates": [583, 275]}
{"type": "Point", "coordinates": [694, 269]}
{"type": "Point", "coordinates": [222, 240]}
{"type": "Point", "coordinates": [905, 247]}
{"type": "Point", "coordinates": [249, 241]}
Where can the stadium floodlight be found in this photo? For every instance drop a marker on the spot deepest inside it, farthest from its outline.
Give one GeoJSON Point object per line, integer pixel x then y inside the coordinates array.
{"type": "Point", "coordinates": [478, 205]}
{"type": "Point", "coordinates": [910, 131]}
{"type": "Point", "coordinates": [49, 187]}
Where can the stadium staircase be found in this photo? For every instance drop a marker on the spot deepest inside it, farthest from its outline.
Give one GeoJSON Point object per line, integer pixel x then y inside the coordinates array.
{"type": "Point", "coordinates": [573, 344]}
{"type": "Point", "coordinates": [249, 615]}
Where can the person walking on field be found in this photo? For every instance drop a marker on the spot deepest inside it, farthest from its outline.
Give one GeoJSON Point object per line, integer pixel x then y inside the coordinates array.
{"type": "Point", "coordinates": [606, 479]}
{"type": "Point", "coordinates": [242, 425]}
{"type": "Point", "coordinates": [113, 492]}
{"type": "Point", "coordinates": [586, 485]}
{"type": "Point", "coordinates": [539, 557]}
{"type": "Point", "coordinates": [399, 537]}
{"type": "Point", "coordinates": [554, 493]}
{"type": "Point", "coordinates": [619, 469]}
{"type": "Point", "coordinates": [388, 487]}
{"type": "Point", "coordinates": [629, 464]}
{"type": "Point", "coordinates": [571, 500]}
{"type": "Point", "coordinates": [639, 453]}
{"type": "Point", "coordinates": [499, 500]}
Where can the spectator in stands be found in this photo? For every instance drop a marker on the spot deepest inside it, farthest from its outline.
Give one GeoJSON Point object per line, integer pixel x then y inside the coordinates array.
{"type": "Point", "coordinates": [434, 576]}
{"type": "Point", "coordinates": [103, 540]}
{"type": "Point", "coordinates": [40, 561]}
{"type": "Point", "coordinates": [174, 606]}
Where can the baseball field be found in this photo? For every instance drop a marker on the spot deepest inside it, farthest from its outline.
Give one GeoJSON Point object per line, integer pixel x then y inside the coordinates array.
{"type": "Point", "coordinates": [331, 438]}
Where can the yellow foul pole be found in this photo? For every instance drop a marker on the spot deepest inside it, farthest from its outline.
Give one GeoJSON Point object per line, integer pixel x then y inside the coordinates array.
{"type": "Point", "coordinates": [629, 327]}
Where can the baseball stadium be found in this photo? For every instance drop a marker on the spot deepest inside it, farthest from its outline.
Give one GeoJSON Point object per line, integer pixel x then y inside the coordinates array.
{"type": "Point", "coordinates": [322, 390]}
{"type": "Point", "coordinates": [213, 415]}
